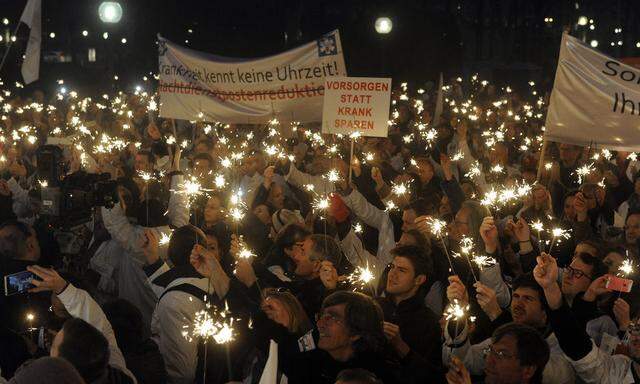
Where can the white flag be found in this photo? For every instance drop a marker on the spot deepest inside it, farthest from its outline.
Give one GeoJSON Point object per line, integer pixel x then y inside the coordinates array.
{"type": "Point", "coordinates": [595, 99]}
{"type": "Point", "coordinates": [439, 101]}
{"type": "Point", "coordinates": [32, 17]}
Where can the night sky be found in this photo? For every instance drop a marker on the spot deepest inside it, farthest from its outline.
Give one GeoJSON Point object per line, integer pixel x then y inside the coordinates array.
{"type": "Point", "coordinates": [499, 38]}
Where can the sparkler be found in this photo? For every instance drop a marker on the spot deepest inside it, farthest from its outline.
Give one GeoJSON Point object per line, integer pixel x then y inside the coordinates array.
{"type": "Point", "coordinates": [626, 268]}
{"type": "Point", "coordinates": [456, 311]}
{"type": "Point", "coordinates": [438, 229]}
{"type": "Point", "coordinates": [361, 277]}
{"type": "Point", "coordinates": [559, 234]}
{"type": "Point", "coordinates": [539, 227]}
{"type": "Point", "coordinates": [584, 171]}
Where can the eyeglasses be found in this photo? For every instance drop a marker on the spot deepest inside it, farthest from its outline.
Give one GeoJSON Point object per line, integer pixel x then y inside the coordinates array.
{"type": "Point", "coordinates": [500, 355]}
{"type": "Point", "coordinates": [329, 317]}
{"type": "Point", "coordinates": [573, 272]}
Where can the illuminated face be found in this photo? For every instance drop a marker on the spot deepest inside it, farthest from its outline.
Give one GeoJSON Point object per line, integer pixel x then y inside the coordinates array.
{"type": "Point", "coordinates": [262, 213]}
{"type": "Point", "coordinates": [502, 365]}
{"type": "Point", "coordinates": [213, 246]}
{"type": "Point", "coordinates": [569, 209]}
{"type": "Point", "coordinates": [142, 164]}
{"type": "Point", "coordinates": [576, 278]}
{"type": "Point", "coordinates": [276, 197]}
{"type": "Point", "coordinates": [213, 210]}
{"type": "Point", "coordinates": [613, 260]}
{"type": "Point", "coordinates": [526, 308]}
{"type": "Point", "coordinates": [401, 279]}
{"type": "Point", "coordinates": [632, 229]}
{"type": "Point", "coordinates": [305, 268]}
{"type": "Point", "coordinates": [334, 334]}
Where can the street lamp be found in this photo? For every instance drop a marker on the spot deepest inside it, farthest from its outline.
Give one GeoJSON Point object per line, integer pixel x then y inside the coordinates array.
{"type": "Point", "coordinates": [110, 12]}
{"type": "Point", "coordinates": [383, 25]}
{"type": "Point", "coordinates": [583, 20]}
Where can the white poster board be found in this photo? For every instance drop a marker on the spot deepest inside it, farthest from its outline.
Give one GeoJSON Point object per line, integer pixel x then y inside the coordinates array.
{"type": "Point", "coordinates": [356, 104]}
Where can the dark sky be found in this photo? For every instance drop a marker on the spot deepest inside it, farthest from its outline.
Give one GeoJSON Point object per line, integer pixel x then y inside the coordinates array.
{"type": "Point", "coordinates": [496, 37]}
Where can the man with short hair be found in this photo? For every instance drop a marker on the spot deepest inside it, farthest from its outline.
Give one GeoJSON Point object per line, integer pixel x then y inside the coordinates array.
{"type": "Point", "coordinates": [517, 354]}
{"type": "Point", "coordinates": [528, 307]}
{"type": "Point", "coordinates": [411, 328]}
{"type": "Point", "coordinates": [357, 376]}
{"type": "Point", "coordinates": [349, 335]}
{"type": "Point", "coordinates": [144, 161]}
{"type": "Point", "coordinates": [592, 364]}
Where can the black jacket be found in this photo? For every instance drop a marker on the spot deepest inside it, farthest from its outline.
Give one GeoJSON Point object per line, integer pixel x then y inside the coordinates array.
{"type": "Point", "coordinates": [420, 329]}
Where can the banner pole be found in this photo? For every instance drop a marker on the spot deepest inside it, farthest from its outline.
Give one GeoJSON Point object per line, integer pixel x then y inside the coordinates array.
{"type": "Point", "coordinates": [543, 150]}
{"type": "Point", "coordinates": [351, 160]}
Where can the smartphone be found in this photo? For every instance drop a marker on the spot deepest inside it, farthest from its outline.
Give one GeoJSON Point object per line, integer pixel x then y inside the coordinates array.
{"type": "Point", "coordinates": [18, 283]}
{"type": "Point", "coordinates": [619, 284]}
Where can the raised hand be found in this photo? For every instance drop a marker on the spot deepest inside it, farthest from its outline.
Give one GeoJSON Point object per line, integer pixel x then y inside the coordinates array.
{"type": "Point", "coordinates": [203, 260]}
{"type": "Point", "coordinates": [622, 312]}
{"type": "Point", "coordinates": [596, 288]}
{"type": "Point", "coordinates": [328, 275]}
{"type": "Point", "coordinates": [546, 272]}
{"type": "Point", "coordinates": [489, 234]}
{"type": "Point", "coordinates": [376, 175]}
{"type": "Point", "coordinates": [487, 299]}
{"type": "Point", "coordinates": [457, 374]}
{"type": "Point", "coordinates": [244, 272]}
{"type": "Point", "coordinates": [149, 243]}
{"type": "Point", "coordinates": [457, 291]}
{"type": "Point", "coordinates": [50, 280]}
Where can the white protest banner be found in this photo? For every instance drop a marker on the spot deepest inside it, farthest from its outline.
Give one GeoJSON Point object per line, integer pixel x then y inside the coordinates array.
{"type": "Point", "coordinates": [595, 99]}
{"type": "Point", "coordinates": [356, 104]}
{"type": "Point", "coordinates": [199, 86]}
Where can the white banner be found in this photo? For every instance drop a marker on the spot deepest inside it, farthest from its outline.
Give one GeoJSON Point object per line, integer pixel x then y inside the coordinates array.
{"type": "Point", "coordinates": [595, 99]}
{"type": "Point", "coordinates": [356, 104]}
{"type": "Point", "coordinates": [289, 86]}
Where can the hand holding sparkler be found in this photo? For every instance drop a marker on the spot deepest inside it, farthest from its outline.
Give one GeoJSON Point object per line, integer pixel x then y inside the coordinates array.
{"type": "Point", "coordinates": [149, 243]}
{"type": "Point", "coordinates": [458, 373]}
{"type": "Point", "coordinates": [488, 300]}
{"type": "Point", "coordinates": [244, 272]}
{"type": "Point", "coordinates": [392, 333]}
{"type": "Point", "coordinates": [489, 234]}
{"type": "Point", "coordinates": [268, 176]}
{"type": "Point", "coordinates": [622, 312]}
{"type": "Point", "coordinates": [328, 275]}
{"type": "Point", "coordinates": [445, 163]}
{"type": "Point", "coordinates": [580, 206]}
{"type": "Point", "coordinates": [457, 291]}
{"type": "Point", "coordinates": [204, 261]}
{"type": "Point", "coordinates": [546, 271]}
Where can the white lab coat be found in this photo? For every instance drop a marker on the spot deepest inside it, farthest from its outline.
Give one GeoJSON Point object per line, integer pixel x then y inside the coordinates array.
{"type": "Point", "coordinates": [81, 305]}
{"type": "Point", "coordinates": [601, 368]}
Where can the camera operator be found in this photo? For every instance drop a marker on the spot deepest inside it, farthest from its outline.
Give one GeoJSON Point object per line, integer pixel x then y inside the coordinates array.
{"type": "Point", "coordinates": [128, 240]}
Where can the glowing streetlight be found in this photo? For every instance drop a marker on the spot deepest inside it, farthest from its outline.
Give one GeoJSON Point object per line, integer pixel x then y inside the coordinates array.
{"type": "Point", "coordinates": [52, 35]}
{"type": "Point", "coordinates": [594, 43]}
{"type": "Point", "coordinates": [123, 41]}
{"type": "Point", "coordinates": [110, 12]}
{"type": "Point", "coordinates": [85, 33]}
{"type": "Point", "coordinates": [105, 35]}
{"type": "Point", "coordinates": [583, 20]}
{"type": "Point", "coordinates": [383, 25]}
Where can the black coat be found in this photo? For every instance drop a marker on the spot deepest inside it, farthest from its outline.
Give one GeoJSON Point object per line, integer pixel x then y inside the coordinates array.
{"type": "Point", "coordinates": [420, 329]}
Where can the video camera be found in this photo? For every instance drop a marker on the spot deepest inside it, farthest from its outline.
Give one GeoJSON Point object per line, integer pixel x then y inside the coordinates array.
{"type": "Point", "coordinates": [71, 198]}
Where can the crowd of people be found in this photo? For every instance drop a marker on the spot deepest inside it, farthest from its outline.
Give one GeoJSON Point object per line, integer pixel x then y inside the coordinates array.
{"type": "Point", "coordinates": [459, 249]}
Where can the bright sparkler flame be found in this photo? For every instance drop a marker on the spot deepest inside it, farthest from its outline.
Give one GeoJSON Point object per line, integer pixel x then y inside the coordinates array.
{"type": "Point", "coordinates": [483, 261]}
{"type": "Point", "coordinates": [438, 227]}
{"type": "Point", "coordinates": [164, 239]}
{"type": "Point", "coordinates": [455, 311]}
{"type": "Point", "coordinates": [537, 225]}
{"type": "Point", "coordinates": [399, 189]}
{"type": "Point", "coordinates": [626, 268]}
